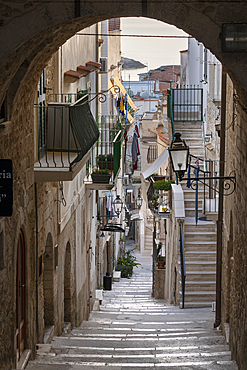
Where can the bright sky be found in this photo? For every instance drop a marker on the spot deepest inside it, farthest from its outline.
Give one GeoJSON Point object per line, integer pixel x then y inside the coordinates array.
{"type": "Point", "coordinates": [152, 51]}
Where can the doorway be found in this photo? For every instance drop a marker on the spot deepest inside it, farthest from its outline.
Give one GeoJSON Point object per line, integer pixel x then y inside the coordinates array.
{"type": "Point", "coordinates": [67, 284]}
{"type": "Point", "coordinates": [20, 334]}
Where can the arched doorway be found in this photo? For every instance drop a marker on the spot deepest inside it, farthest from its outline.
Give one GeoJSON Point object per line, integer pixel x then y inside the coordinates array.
{"type": "Point", "coordinates": [20, 334]}
{"type": "Point", "coordinates": [49, 282]}
{"type": "Point", "coordinates": [67, 284]}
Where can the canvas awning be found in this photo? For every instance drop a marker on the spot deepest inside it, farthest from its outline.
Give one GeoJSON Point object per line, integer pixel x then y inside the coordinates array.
{"type": "Point", "coordinates": [155, 166]}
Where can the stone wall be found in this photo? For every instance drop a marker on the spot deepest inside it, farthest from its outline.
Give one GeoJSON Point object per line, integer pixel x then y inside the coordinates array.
{"type": "Point", "coordinates": [234, 274]}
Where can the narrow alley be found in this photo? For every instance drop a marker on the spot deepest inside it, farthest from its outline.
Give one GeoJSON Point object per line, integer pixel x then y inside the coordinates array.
{"type": "Point", "coordinates": [134, 331]}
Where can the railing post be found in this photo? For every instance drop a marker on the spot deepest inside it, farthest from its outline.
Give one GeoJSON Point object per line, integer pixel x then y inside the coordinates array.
{"type": "Point", "coordinates": [182, 262]}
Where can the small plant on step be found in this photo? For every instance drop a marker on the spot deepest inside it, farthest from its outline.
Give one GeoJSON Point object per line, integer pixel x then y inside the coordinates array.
{"type": "Point", "coordinates": [126, 264]}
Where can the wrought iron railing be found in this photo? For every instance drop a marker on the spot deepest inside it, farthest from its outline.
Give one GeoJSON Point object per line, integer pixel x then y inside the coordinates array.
{"type": "Point", "coordinates": [159, 201]}
{"type": "Point", "coordinates": [66, 132]}
{"type": "Point", "coordinates": [106, 152]}
{"type": "Point", "coordinates": [152, 154]}
{"type": "Point", "coordinates": [182, 263]}
{"type": "Point", "coordinates": [185, 104]}
{"type": "Point", "coordinates": [208, 177]}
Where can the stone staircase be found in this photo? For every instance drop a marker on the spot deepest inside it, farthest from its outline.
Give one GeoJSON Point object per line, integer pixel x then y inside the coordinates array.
{"type": "Point", "coordinates": [148, 244]}
{"type": "Point", "coordinates": [200, 239]}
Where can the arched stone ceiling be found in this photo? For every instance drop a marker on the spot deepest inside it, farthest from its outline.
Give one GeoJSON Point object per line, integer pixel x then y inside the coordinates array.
{"type": "Point", "coordinates": [31, 31]}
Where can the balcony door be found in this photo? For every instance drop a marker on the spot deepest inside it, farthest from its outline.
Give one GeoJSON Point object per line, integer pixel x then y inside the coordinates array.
{"type": "Point", "coordinates": [20, 297]}
{"type": "Point", "coordinates": [42, 114]}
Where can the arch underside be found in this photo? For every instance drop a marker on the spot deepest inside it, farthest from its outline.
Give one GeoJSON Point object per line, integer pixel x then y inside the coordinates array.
{"type": "Point", "coordinates": [31, 39]}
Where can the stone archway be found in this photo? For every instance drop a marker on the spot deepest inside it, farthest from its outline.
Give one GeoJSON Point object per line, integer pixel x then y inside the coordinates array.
{"type": "Point", "coordinates": [30, 39]}
{"type": "Point", "coordinates": [67, 284]}
{"type": "Point", "coordinates": [49, 282]}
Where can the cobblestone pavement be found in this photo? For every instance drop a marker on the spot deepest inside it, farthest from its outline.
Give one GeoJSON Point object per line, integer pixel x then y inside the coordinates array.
{"type": "Point", "coordinates": [134, 331]}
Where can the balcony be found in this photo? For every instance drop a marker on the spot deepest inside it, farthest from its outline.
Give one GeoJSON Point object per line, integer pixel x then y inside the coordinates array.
{"type": "Point", "coordinates": [185, 104]}
{"type": "Point", "coordinates": [104, 163]}
{"type": "Point", "coordinates": [159, 201]}
{"type": "Point", "coordinates": [66, 133]}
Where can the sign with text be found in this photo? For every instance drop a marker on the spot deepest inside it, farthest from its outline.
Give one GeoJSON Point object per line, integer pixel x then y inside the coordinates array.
{"type": "Point", "coordinates": [6, 188]}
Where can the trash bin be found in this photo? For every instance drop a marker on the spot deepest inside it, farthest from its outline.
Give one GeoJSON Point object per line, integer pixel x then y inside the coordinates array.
{"type": "Point", "coordinates": [107, 281]}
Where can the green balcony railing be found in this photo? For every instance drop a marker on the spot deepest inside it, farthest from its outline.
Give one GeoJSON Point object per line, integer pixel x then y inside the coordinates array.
{"type": "Point", "coordinates": [104, 162]}
{"type": "Point", "coordinates": [185, 104]}
{"type": "Point", "coordinates": [66, 132]}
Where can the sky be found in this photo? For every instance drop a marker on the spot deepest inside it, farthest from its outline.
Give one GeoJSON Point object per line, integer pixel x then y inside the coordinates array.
{"type": "Point", "coordinates": [153, 52]}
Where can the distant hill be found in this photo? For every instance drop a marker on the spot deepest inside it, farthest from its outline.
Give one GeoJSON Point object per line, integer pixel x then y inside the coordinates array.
{"type": "Point", "coordinates": [132, 64]}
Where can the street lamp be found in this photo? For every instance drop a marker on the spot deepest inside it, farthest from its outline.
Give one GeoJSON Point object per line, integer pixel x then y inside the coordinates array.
{"type": "Point", "coordinates": [179, 154]}
{"type": "Point", "coordinates": [139, 201]}
{"type": "Point", "coordinates": [118, 205]}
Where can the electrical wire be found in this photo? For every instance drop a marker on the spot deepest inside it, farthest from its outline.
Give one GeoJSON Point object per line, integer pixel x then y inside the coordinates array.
{"type": "Point", "coordinates": [154, 36]}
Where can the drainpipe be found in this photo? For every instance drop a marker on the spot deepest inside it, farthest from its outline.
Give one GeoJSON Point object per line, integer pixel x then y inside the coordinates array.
{"type": "Point", "coordinates": [37, 259]}
{"type": "Point", "coordinates": [220, 210]}
{"type": "Point", "coordinates": [104, 76]}
{"type": "Point", "coordinates": [97, 75]}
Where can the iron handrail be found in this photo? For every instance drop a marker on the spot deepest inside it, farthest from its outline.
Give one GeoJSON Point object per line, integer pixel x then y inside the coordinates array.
{"type": "Point", "coordinates": [171, 113]}
{"type": "Point", "coordinates": [182, 263]}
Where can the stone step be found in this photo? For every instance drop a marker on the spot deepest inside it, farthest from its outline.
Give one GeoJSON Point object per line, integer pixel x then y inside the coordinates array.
{"type": "Point", "coordinates": [190, 212]}
{"type": "Point", "coordinates": [197, 304]}
{"type": "Point", "coordinates": [202, 226]}
{"type": "Point", "coordinates": [209, 236]}
{"type": "Point", "coordinates": [199, 296]}
{"type": "Point", "coordinates": [200, 265]}
{"type": "Point", "coordinates": [200, 285]}
{"type": "Point", "coordinates": [183, 126]}
{"type": "Point", "coordinates": [201, 275]}
{"type": "Point", "coordinates": [200, 256]}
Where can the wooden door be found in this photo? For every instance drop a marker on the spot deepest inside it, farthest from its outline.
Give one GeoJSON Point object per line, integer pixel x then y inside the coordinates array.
{"type": "Point", "coordinates": [20, 297]}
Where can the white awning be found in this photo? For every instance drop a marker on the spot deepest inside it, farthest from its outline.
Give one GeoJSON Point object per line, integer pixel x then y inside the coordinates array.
{"type": "Point", "coordinates": [155, 166]}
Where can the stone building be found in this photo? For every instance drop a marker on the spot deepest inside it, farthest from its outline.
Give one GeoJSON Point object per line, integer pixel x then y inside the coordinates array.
{"type": "Point", "coordinates": [30, 33]}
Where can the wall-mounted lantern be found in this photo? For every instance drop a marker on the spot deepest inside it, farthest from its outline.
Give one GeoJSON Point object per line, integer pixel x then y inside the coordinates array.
{"type": "Point", "coordinates": [179, 154]}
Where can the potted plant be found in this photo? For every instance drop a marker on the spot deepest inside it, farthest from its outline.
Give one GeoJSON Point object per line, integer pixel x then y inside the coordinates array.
{"type": "Point", "coordinates": [155, 202]}
{"type": "Point", "coordinates": [109, 161]}
{"type": "Point", "coordinates": [101, 161]}
{"type": "Point", "coordinates": [157, 177]}
{"type": "Point", "coordinates": [126, 263]}
{"type": "Point", "coordinates": [163, 184]}
{"type": "Point", "coordinates": [101, 175]}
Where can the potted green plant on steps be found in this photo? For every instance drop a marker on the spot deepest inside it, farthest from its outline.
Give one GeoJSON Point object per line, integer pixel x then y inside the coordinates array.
{"type": "Point", "coordinates": [126, 263]}
{"type": "Point", "coordinates": [163, 185]}
{"type": "Point", "coordinates": [101, 161]}
{"type": "Point", "coordinates": [160, 259]}
{"type": "Point", "coordinates": [101, 176]}
{"type": "Point", "coordinates": [109, 161]}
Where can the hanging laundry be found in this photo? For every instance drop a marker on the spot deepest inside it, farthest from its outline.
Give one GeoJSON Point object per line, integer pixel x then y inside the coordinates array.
{"type": "Point", "coordinates": [121, 107]}
{"type": "Point", "coordinates": [188, 181]}
{"type": "Point", "coordinates": [135, 148]}
{"type": "Point", "coordinates": [126, 108]}
{"type": "Point", "coordinates": [118, 101]}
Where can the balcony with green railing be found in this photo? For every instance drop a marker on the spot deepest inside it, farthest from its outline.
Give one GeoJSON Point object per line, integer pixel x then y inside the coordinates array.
{"type": "Point", "coordinates": [185, 104]}
{"type": "Point", "coordinates": [66, 132]}
{"type": "Point", "coordinates": [104, 163]}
